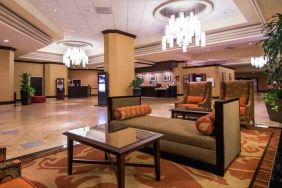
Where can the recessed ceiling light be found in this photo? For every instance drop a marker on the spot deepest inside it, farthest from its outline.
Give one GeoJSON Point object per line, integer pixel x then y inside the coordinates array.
{"type": "Point", "coordinates": [250, 43]}
{"type": "Point", "coordinates": [6, 40]}
{"type": "Point", "coordinates": [55, 10]}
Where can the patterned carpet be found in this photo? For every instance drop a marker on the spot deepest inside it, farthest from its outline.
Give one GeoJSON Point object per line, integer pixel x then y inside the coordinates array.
{"type": "Point", "coordinates": [50, 171]}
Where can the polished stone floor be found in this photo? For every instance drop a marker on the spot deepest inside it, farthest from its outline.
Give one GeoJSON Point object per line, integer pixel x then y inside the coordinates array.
{"type": "Point", "coordinates": [36, 127]}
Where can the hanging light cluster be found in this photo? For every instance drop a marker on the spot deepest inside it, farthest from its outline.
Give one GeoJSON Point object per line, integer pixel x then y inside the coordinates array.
{"type": "Point", "coordinates": [182, 30]}
{"type": "Point", "coordinates": [75, 56]}
{"type": "Point", "coordinates": [259, 62]}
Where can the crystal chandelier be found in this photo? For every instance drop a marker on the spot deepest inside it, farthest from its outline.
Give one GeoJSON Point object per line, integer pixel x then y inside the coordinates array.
{"type": "Point", "coordinates": [258, 62]}
{"type": "Point", "coordinates": [75, 56]}
{"type": "Point", "coordinates": [182, 30]}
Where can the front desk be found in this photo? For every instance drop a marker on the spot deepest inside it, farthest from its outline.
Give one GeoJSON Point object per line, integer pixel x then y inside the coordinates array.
{"type": "Point", "coordinates": [154, 91]}
{"type": "Point", "coordinates": [78, 91]}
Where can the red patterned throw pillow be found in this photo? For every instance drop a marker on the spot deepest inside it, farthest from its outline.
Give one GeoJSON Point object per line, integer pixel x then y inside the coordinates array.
{"type": "Point", "coordinates": [132, 111]}
{"type": "Point", "coordinates": [205, 124]}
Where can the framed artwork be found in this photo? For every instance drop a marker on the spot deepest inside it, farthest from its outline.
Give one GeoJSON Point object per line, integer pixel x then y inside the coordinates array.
{"type": "Point", "coordinates": [211, 80]}
{"type": "Point", "coordinates": [153, 78]}
{"type": "Point", "coordinates": [140, 77]}
{"type": "Point", "coordinates": [166, 78]}
{"type": "Point", "coordinates": [230, 77]}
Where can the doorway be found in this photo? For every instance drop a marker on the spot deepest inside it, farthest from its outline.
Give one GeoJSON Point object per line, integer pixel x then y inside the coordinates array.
{"type": "Point", "coordinates": [37, 84]}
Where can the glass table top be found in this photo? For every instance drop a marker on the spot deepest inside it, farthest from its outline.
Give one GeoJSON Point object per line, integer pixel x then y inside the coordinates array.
{"type": "Point", "coordinates": [117, 138]}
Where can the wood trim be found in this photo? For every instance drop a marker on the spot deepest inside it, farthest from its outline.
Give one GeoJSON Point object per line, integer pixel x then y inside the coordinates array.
{"type": "Point", "coordinates": [37, 62]}
{"type": "Point", "coordinates": [142, 63]}
{"type": "Point", "coordinates": [211, 65]}
{"type": "Point", "coordinates": [7, 48]}
{"type": "Point", "coordinates": [7, 102]}
{"type": "Point", "coordinates": [119, 32]}
{"type": "Point", "coordinates": [99, 70]}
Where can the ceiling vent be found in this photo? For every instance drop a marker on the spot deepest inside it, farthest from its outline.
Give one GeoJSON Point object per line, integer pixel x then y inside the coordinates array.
{"type": "Point", "coordinates": [103, 10]}
{"type": "Point", "coordinates": [230, 48]}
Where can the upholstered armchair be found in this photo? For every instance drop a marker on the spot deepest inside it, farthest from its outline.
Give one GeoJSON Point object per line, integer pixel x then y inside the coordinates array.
{"type": "Point", "coordinates": [244, 90]}
{"type": "Point", "coordinates": [10, 173]}
{"type": "Point", "coordinates": [197, 95]}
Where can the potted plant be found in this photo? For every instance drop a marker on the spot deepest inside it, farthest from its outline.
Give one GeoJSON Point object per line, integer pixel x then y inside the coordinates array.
{"type": "Point", "coordinates": [26, 89]}
{"type": "Point", "coordinates": [135, 84]}
{"type": "Point", "coordinates": [272, 45]}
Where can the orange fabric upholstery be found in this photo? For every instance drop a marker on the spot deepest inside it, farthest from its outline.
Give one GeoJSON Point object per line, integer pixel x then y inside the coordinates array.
{"type": "Point", "coordinates": [242, 111]}
{"type": "Point", "coordinates": [243, 101]}
{"type": "Point", "coordinates": [205, 125]}
{"type": "Point", "coordinates": [196, 93]}
{"type": "Point", "coordinates": [194, 99]}
{"type": "Point", "coordinates": [17, 183]}
{"type": "Point", "coordinates": [211, 115]}
{"type": "Point", "coordinates": [132, 111]}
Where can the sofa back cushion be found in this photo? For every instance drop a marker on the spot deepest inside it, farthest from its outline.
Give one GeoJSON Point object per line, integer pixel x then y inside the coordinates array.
{"type": "Point", "coordinates": [194, 99]}
{"type": "Point", "coordinates": [132, 111]}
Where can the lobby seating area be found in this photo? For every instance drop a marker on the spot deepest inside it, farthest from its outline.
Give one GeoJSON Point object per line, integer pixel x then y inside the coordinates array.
{"type": "Point", "coordinates": [140, 93]}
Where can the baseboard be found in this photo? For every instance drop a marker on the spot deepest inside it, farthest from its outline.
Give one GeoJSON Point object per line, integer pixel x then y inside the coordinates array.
{"type": "Point", "coordinates": [7, 102]}
{"type": "Point", "coordinates": [94, 95]}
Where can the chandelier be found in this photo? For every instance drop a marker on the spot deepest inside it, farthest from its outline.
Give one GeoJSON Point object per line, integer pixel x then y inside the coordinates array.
{"type": "Point", "coordinates": [75, 54]}
{"type": "Point", "coordinates": [258, 62]}
{"type": "Point", "coordinates": [181, 30]}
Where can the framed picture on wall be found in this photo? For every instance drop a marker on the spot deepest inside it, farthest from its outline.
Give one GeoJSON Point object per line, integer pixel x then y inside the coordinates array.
{"type": "Point", "coordinates": [153, 78]}
{"type": "Point", "coordinates": [166, 78]}
{"type": "Point", "coordinates": [230, 77]}
{"type": "Point", "coordinates": [140, 77]}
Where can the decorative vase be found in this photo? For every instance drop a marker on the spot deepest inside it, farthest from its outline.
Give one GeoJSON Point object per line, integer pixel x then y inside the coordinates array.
{"type": "Point", "coordinates": [136, 91]}
{"type": "Point", "coordinates": [25, 98]}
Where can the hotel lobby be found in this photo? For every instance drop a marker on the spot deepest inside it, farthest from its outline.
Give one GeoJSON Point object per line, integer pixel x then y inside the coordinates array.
{"type": "Point", "coordinates": [140, 93]}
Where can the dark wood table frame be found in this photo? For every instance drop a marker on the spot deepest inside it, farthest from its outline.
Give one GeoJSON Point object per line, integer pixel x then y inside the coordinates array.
{"type": "Point", "coordinates": [119, 164]}
{"type": "Point", "coordinates": [190, 114]}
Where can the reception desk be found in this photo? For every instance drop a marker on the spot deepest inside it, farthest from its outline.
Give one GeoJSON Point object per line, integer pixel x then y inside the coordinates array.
{"type": "Point", "coordinates": [78, 91]}
{"type": "Point", "coordinates": [154, 91]}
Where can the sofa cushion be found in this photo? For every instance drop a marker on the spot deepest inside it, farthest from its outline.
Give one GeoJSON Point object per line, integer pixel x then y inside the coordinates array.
{"type": "Point", "coordinates": [188, 106]}
{"type": "Point", "coordinates": [17, 183]}
{"type": "Point", "coordinates": [243, 101]}
{"type": "Point", "coordinates": [175, 130]}
{"type": "Point", "coordinates": [194, 99]}
{"type": "Point", "coordinates": [131, 111]}
{"type": "Point", "coordinates": [205, 125]}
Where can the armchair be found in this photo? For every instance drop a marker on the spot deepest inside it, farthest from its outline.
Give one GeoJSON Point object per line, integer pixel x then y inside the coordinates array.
{"type": "Point", "coordinates": [244, 90]}
{"type": "Point", "coordinates": [197, 95]}
{"type": "Point", "coordinates": [10, 173]}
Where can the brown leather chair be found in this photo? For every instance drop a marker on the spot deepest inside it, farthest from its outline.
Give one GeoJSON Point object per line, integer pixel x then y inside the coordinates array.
{"type": "Point", "coordinates": [244, 90]}
{"type": "Point", "coordinates": [197, 95]}
{"type": "Point", "coordinates": [10, 173]}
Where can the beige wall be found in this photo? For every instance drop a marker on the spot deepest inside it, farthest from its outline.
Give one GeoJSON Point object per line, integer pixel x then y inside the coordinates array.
{"type": "Point", "coordinates": [261, 77]}
{"type": "Point", "coordinates": [215, 72]}
{"type": "Point", "coordinates": [32, 68]}
{"type": "Point", "coordinates": [146, 78]}
{"type": "Point", "coordinates": [52, 72]}
{"type": "Point", "coordinates": [119, 62]}
{"type": "Point", "coordinates": [6, 76]}
{"type": "Point", "coordinates": [87, 77]}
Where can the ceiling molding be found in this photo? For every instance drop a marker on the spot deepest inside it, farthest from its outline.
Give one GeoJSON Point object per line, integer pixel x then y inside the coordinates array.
{"type": "Point", "coordinates": [13, 20]}
{"type": "Point", "coordinates": [211, 65]}
{"type": "Point", "coordinates": [7, 48]}
{"type": "Point", "coordinates": [119, 32]}
{"type": "Point", "coordinates": [258, 11]}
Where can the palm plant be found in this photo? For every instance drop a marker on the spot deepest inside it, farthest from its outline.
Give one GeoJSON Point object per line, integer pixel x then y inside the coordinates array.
{"type": "Point", "coordinates": [272, 45]}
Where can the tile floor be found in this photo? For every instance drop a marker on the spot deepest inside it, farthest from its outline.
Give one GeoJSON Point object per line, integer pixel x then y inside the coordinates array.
{"type": "Point", "coordinates": [36, 127]}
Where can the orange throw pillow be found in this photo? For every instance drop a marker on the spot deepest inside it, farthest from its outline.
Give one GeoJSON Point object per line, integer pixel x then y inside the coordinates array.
{"type": "Point", "coordinates": [205, 125]}
{"type": "Point", "coordinates": [194, 99]}
{"type": "Point", "coordinates": [211, 115]}
{"type": "Point", "coordinates": [132, 111]}
{"type": "Point", "coordinates": [242, 111]}
{"type": "Point", "coordinates": [243, 101]}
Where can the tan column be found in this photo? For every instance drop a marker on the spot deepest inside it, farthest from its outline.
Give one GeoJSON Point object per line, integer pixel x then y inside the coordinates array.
{"type": "Point", "coordinates": [6, 74]}
{"type": "Point", "coordinates": [51, 73]}
{"type": "Point", "coordinates": [119, 61]}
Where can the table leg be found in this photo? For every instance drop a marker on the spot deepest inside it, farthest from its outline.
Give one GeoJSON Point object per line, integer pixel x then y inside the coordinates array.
{"type": "Point", "coordinates": [105, 156]}
{"type": "Point", "coordinates": [183, 116]}
{"type": "Point", "coordinates": [70, 155]}
{"type": "Point", "coordinates": [172, 114]}
{"type": "Point", "coordinates": [157, 159]}
{"type": "Point", "coordinates": [120, 171]}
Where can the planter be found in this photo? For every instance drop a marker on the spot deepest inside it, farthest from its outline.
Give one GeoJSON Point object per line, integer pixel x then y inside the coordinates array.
{"type": "Point", "coordinates": [25, 98]}
{"type": "Point", "coordinates": [136, 91]}
{"type": "Point", "coordinates": [275, 116]}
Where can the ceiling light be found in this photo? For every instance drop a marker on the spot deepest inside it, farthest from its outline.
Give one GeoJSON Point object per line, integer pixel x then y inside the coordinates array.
{"type": "Point", "coordinates": [6, 40]}
{"type": "Point", "coordinates": [55, 10]}
{"type": "Point", "coordinates": [182, 30]}
{"type": "Point", "coordinates": [250, 43]}
{"type": "Point", "coordinates": [258, 62]}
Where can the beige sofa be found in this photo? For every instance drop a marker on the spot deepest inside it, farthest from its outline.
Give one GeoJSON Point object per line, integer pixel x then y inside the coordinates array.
{"type": "Point", "coordinates": [181, 138]}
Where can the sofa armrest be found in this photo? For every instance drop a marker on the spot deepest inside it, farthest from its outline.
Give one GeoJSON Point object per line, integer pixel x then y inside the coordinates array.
{"type": "Point", "coordinates": [2, 154]}
{"type": "Point", "coordinates": [205, 103]}
{"type": "Point", "coordinates": [10, 170]}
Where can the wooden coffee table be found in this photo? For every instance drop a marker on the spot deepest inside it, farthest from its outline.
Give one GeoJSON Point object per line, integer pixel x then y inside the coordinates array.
{"type": "Point", "coordinates": [116, 142]}
{"type": "Point", "coordinates": [190, 114]}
